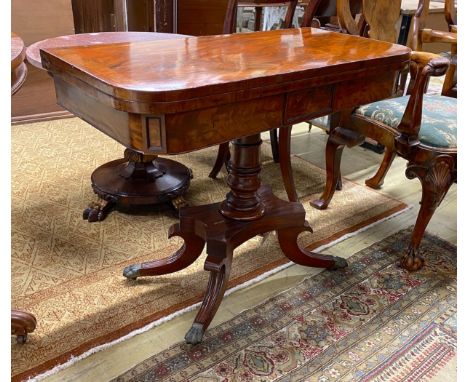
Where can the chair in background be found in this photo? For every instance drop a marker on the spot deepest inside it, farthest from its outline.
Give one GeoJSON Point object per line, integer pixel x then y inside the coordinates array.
{"type": "Point", "coordinates": [323, 14]}
{"type": "Point", "coordinates": [450, 11]}
{"type": "Point", "coordinates": [450, 84]}
{"type": "Point", "coordinates": [230, 22]}
{"type": "Point", "coordinates": [259, 5]}
{"type": "Point", "coordinates": [417, 127]}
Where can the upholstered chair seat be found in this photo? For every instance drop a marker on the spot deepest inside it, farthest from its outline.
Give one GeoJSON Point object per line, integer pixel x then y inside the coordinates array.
{"type": "Point", "coordinates": [439, 118]}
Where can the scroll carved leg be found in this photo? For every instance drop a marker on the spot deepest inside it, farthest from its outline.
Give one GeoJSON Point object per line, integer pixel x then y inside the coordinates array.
{"type": "Point", "coordinates": [285, 162]}
{"type": "Point", "coordinates": [222, 159]}
{"type": "Point", "coordinates": [436, 178]}
{"type": "Point", "coordinates": [186, 255]}
{"type": "Point", "coordinates": [288, 242]}
{"type": "Point", "coordinates": [220, 269]}
{"type": "Point", "coordinates": [378, 179]}
{"type": "Point", "coordinates": [333, 153]}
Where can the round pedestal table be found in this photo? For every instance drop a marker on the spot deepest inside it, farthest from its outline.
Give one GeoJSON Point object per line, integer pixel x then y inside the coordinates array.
{"type": "Point", "coordinates": [136, 179]}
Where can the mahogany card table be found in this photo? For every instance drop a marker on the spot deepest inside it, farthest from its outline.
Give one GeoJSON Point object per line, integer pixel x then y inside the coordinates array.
{"type": "Point", "coordinates": [172, 97]}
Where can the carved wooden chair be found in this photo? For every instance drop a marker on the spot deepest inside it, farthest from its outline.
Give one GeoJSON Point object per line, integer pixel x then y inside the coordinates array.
{"type": "Point", "coordinates": [230, 22]}
{"type": "Point", "coordinates": [420, 35]}
{"type": "Point", "coordinates": [420, 128]}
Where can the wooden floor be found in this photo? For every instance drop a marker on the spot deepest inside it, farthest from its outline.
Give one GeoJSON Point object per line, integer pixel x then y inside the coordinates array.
{"type": "Point", "coordinates": [358, 164]}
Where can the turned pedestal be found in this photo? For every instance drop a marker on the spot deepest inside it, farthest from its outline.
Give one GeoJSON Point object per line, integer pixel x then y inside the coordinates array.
{"type": "Point", "coordinates": [137, 180]}
{"type": "Point", "coordinates": [248, 210]}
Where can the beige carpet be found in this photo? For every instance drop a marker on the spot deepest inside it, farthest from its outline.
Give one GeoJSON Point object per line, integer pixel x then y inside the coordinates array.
{"type": "Point", "coordinates": [67, 271]}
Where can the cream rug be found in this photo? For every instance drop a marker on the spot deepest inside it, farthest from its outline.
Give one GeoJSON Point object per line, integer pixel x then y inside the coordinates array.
{"type": "Point", "coordinates": [68, 272]}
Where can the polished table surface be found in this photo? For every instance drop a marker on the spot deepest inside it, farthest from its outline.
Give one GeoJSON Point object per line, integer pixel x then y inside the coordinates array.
{"type": "Point", "coordinates": [168, 72]}
{"type": "Point", "coordinates": [88, 39]}
{"type": "Point", "coordinates": [174, 78]}
{"type": "Point", "coordinates": [190, 93]}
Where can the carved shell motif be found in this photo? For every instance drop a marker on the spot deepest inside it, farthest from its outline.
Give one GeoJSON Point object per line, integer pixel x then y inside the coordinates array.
{"type": "Point", "coordinates": [440, 174]}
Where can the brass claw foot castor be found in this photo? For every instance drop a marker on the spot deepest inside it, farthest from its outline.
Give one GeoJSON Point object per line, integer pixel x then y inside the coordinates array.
{"type": "Point", "coordinates": [339, 263]}
{"type": "Point", "coordinates": [132, 271]}
{"type": "Point", "coordinates": [195, 334]}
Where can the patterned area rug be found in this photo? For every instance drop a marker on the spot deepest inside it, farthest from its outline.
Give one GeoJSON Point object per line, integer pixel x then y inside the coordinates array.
{"type": "Point", "coordinates": [68, 272]}
{"type": "Point", "coordinates": [370, 322]}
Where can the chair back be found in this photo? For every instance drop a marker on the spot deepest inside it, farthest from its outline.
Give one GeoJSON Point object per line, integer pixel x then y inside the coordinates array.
{"type": "Point", "coordinates": [231, 12]}
{"type": "Point", "coordinates": [378, 20]}
{"type": "Point", "coordinates": [450, 13]}
{"type": "Point", "coordinates": [419, 22]}
{"type": "Point", "coordinates": [324, 11]}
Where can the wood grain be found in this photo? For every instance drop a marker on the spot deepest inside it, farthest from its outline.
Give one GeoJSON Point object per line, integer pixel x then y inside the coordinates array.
{"type": "Point", "coordinates": [216, 66]}
{"type": "Point", "coordinates": [202, 102]}
{"type": "Point", "coordinates": [89, 39]}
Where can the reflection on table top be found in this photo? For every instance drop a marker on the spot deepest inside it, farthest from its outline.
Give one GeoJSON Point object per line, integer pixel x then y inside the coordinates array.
{"type": "Point", "coordinates": [202, 66]}
{"type": "Point", "coordinates": [87, 39]}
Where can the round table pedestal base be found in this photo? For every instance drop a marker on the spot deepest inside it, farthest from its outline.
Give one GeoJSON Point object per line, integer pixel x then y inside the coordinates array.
{"type": "Point", "coordinates": [125, 184]}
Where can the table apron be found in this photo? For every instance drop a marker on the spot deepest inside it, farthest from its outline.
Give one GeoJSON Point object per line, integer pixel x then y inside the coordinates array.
{"type": "Point", "coordinates": [180, 132]}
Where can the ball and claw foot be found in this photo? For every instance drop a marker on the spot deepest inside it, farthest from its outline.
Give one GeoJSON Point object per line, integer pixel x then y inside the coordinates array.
{"type": "Point", "coordinates": [132, 271]}
{"type": "Point", "coordinates": [412, 260]}
{"type": "Point", "coordinates": [98, 211]}
{"type": "Point", "coordinates": [195, 334]}
{"type": "Point", "coordinates": [21, 339]}
{"type": "Point", "coordinates": [339, 263]}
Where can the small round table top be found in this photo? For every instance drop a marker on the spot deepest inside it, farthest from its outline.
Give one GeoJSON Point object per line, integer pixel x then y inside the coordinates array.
{"type": "Point", "coordinates": [84, 39]}
{"type": "Point", "coordinates": [17, 51]}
